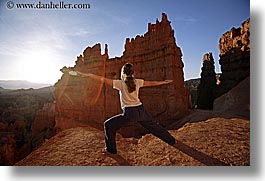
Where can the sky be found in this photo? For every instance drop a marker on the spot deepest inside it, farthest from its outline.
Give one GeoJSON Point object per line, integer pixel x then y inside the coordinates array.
{"type": "Point", "coordinates": [37, 43]}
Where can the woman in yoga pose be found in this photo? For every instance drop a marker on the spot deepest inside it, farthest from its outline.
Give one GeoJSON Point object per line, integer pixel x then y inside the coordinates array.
{"type": "Point", "coordinates": [133, 109]}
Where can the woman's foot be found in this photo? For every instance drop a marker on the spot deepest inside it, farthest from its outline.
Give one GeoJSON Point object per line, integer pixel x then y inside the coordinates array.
{"type": "Point", "coordinates": [106, 150]}
{"type": "Point", "coordinates": [172, 142]}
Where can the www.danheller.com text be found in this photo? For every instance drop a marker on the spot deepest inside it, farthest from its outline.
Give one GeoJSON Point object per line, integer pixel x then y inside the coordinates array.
{"type": "Point", "coordinates": [49, 5]}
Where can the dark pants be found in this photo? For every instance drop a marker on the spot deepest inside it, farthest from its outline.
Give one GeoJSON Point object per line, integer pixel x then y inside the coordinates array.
{"type": "Point", "coordinates": [130, 115]}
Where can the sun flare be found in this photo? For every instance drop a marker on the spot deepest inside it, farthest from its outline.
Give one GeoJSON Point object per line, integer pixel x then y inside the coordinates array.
{"type": "Point", "coordinates": [39, 67]}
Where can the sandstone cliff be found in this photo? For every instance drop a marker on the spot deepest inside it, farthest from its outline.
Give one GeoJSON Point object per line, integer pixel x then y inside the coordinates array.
{"type": "Point", "coordinates": [155, 55]}
{"type": "Point", "coordinates": [234, 55]}
{"type": "Point", "coordinates": [234, 47]}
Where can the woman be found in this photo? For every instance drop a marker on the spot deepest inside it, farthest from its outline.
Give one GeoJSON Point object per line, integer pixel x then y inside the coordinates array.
{"type": "Point", "coordinates": [133, 109]}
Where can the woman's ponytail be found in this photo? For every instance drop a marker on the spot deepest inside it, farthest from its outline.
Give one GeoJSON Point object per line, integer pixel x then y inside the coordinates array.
{"type": "Point", "coordinates": [128, 72]}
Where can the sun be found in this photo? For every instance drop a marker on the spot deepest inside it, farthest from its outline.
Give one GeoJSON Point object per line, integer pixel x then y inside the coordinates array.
{"type": "Point", "coordinates": [39, 67]}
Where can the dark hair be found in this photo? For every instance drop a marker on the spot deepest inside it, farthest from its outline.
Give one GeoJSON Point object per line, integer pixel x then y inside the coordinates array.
{"type": "Point", "coordinates": [128, 71]}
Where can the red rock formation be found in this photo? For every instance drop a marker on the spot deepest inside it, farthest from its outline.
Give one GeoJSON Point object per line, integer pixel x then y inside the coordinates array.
{"type": "Point", "coordinates": [13, 136]}
{"type": "Point", "coordinates": [43, 126]}
{"type": "Point", "coordinates": [7, 148]}
{"type": "Point", "coordinates": [21, 122]}
{"type": "Point", "coordinates": [207, 86]}
{"type": "Point", "coordinates": [155, 55]}
{"type": "Point", "coordinates": [80, 101]}
{"type": "Point", "coordinates": [234, 55]}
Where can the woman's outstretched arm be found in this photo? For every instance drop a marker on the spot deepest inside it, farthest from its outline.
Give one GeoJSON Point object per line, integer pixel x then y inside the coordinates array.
{"type": "Point", "coordinates": [156, 83]}
{"type": "Point", "coordinates": [97, 78]}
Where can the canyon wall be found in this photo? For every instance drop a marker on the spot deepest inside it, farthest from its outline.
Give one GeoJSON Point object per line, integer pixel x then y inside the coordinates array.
{"type": "Point", "coordinates": [234, 61]}
{"type": "Point", "coordinates": [234, 56]}
{"type": "Point", "coordinates": [155, 56]}
{"type": "Point", "coordinates": [27, 118]}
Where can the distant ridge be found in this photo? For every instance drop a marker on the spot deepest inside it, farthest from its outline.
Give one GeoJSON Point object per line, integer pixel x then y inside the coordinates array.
{"type": "Point", "coordinates": [21, 84]}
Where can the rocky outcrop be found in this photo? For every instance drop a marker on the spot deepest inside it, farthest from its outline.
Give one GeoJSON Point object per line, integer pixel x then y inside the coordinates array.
{"type": "Point", "coordinates": [81, 101]}
{"type": "Point", "coordinates": [155, 55]}
{"type": "Point", "coordinates": [214, 142]}
{"type": "Point", "coordinates": [234, 55]}
{"type": "Point", "coordinates": [207, 86]}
